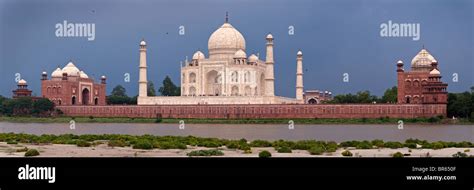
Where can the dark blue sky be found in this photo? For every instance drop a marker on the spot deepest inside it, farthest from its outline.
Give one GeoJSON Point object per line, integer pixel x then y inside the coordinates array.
{"type": "Point", "coordinates": [336, 36]}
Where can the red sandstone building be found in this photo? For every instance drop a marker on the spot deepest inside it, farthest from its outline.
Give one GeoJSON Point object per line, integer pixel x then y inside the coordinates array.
{"type": "Point", "coordinates": [421, 85]}
{"type": "Point", "coordinates": [71, 86]}
{"type": "Point", "coordinates": [420, 94]}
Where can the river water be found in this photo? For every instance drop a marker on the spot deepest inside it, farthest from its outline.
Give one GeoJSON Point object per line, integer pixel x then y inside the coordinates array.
{"type": "Point", "coordinates": [334, 132]}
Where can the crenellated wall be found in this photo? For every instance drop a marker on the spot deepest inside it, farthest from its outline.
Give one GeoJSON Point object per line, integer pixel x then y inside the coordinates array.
{"type": "Point", "coordinates": [261, 111]}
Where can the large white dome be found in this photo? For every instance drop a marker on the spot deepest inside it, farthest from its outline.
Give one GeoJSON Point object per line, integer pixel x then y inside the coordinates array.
{"type": "Point", "coordinates": [422, 61]}
{"type": "Point", "coordinates": [226, 40]}
{"type": "Point", "coordinates": [71, 69]}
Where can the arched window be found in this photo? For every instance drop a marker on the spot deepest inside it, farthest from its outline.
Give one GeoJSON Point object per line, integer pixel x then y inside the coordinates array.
{"type": "Point", "coordinates": [235, 91]}
{"type": "Point", "coordinates": [192, 91]}
{"type": "Point", "coordinates": [234, 77]}
{"type": "Point", "coordinates": [192, 78]}
{"type": "Point", "coordinates": [96, 101]}
{"type": "Point", "coordinates": [248, 91]}
{"type": "Point", "coordinates": [247, 77]}
{"type": "Point", "coordinates": [73, 100]}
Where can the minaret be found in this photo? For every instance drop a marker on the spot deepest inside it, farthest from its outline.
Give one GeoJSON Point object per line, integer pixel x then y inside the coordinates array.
{"type": "Point", "coordinates": [142, 82]}
{"type": "Point", "coordinates": [269, 78]}
{"type": "Point", "coordinates": [400, 82]}
{"type": "Point", "coordinates": [299, 76]}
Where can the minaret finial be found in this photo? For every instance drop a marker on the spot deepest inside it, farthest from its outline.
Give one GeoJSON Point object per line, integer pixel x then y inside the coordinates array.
{"type": "Point", "coordinates": [226, 17]}
{"type": "Point", "coordinates": [423, 46]}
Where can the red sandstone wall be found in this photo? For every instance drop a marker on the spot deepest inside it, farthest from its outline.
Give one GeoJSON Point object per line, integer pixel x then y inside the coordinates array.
{"type": "Point", "coordinates": [261, 111]}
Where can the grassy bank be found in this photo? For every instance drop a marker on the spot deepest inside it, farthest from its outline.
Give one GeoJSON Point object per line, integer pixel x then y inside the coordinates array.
{"type": "Point", "coordinates": [433, 120]}
{"type": "Point", "coordinates": [147, 142]}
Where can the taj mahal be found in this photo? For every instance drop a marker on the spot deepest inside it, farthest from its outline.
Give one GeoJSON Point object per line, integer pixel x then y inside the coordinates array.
{"type": "Point", "coordinates": [226, 75]}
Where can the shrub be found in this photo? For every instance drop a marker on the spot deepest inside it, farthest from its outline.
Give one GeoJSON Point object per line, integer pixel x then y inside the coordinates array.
{"type": "Point", "coordinates": [393, 145]}
{"type": "Point", "coordinates": [12, 142]}
{"type": "Point", "coordinates": [24, 149]}
{"type": "Point", "coordinates": [397, 155]}
{"type": "Point", "coordinates": [117, 143]}
{"type": "Point", "coordinates": [460, 155]}
{"type": "Point", "coordinates": [143, 144]}
{"type": "Point", "coordinates": [378, 143]}
{"type": "Point", "coordinates": [170, 145]}
{"type": "Point", "coordinates": [260, 143]}
{"type": "Point", "coordinates": [82, 143]}
{"type": "Point", "coordinates": [264, 154]}
{"type": "Point", "coordinates": [284, 149]}
{"type": "Point", "coordinates": [32, 152]}
{"type": "Point", "coordinates": [316, 150]}
{"type": "Point", "coordinates": [410, 145]}
{"type": "Point", "coordinates": [437, 145]}
{"type": "Point", "coordinates": [331, 146]}
{"type": "Point", "coordinates": [232, 145]}
{"type": "Point", "coordinates": [347, 153]}
{"type": "Point", "coordinates": [213, 152]}
{"type": "Point", "coordinates": [364, 145]}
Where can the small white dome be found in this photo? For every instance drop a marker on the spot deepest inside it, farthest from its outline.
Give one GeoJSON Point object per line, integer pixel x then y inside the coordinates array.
{"type": "Point", "coordinates": [57, 73]}
{"type": "Point", "coordinates": [269, 36]}
{"type": "Point", "coordinates": [435, 72]}
{"type": "Point", "coordinates": [44, 73]}
{"type": "Point", "coordinates": [240, 54]}
{"type": "Point", "coordinates": [299, 53]}
{"type": "Point", "coordinates": [143, 43]}
{"type": "Point", "coordinates": [198, 55]}
{"type": "Point", "coordinates": [22, 82]}
{"type": "Point", "coordinates": [71, 69]}
{"type": "Point", "coordinates": [400, 61]}
{"type": "Point", "coordinates": [253, 58]}
{"type": "Point", "coordinates": [103, 77]}
{"type": "Point", "coordinates": [83, 75]}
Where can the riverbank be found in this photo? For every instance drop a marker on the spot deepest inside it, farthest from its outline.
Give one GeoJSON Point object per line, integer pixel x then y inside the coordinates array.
{"type": "Point", "coordinates": [433, 120]}
{"type": "Point", "coordinates": [103, 150]}
{"type": "Point", "coordinates": [69, 145]}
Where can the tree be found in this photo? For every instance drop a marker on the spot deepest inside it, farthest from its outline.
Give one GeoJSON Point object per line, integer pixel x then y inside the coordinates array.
{"type": "Point", "coordinates": [151, 89]}
{"type": "Point", "coordinates": [20, 106]}
{"type": "Point", "coordinates": [42, 106]}
{"type": "Point", "coordinates": [119, 90]}
{"type": "Point", "coordinates": [390, 95]}
{"type": "Point", "coordinates": [119, 96]}
{"type": "Point", "coordinates": [169, 88]}
{"type": "Point", "coordinates": [460, 104]}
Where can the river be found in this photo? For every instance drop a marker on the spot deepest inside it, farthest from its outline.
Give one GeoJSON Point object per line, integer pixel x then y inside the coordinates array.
{"type": "Point", "coordinates": [333, 132]}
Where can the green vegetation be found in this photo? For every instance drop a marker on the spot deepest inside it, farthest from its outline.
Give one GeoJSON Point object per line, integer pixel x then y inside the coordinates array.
{"type": "Point", "coordinates": [460, 155]}
{"type": "Point", "coordinates": [83, 143]}
{"type": "Point", "coordinates": [151, 89]}
{"type": "Point", "coordinates": [316, 150]}
{"type": "Point", "coordinates": [117, 143]}
{"type": "Point", "coordinates": [284, 149]}
{"type": "Point", "coordinates": [24, 149]}
{"type": "Point", "coordinates": [169, 88]}
{"type": "Point", "coordinates": [398, 155]}
{"type": "Point", "coordinates": [264, 154]}
{"type": "Point", "coordinates": [213, 152]}
{"type": "Point", "coordinates": [119, 97]}
{"type": "Point", "coordinates": [182, 142]}
{"type": "Point", "coordinates": [25, 106]}
{"type": "Point", "coordinates": [32, 152]}
{"type": "Point", "coordinates": [143, 144]}
{"type": "Point", "coordinates": [347, 153]}
{"type": "Point", "coordinates": [461, 105]}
